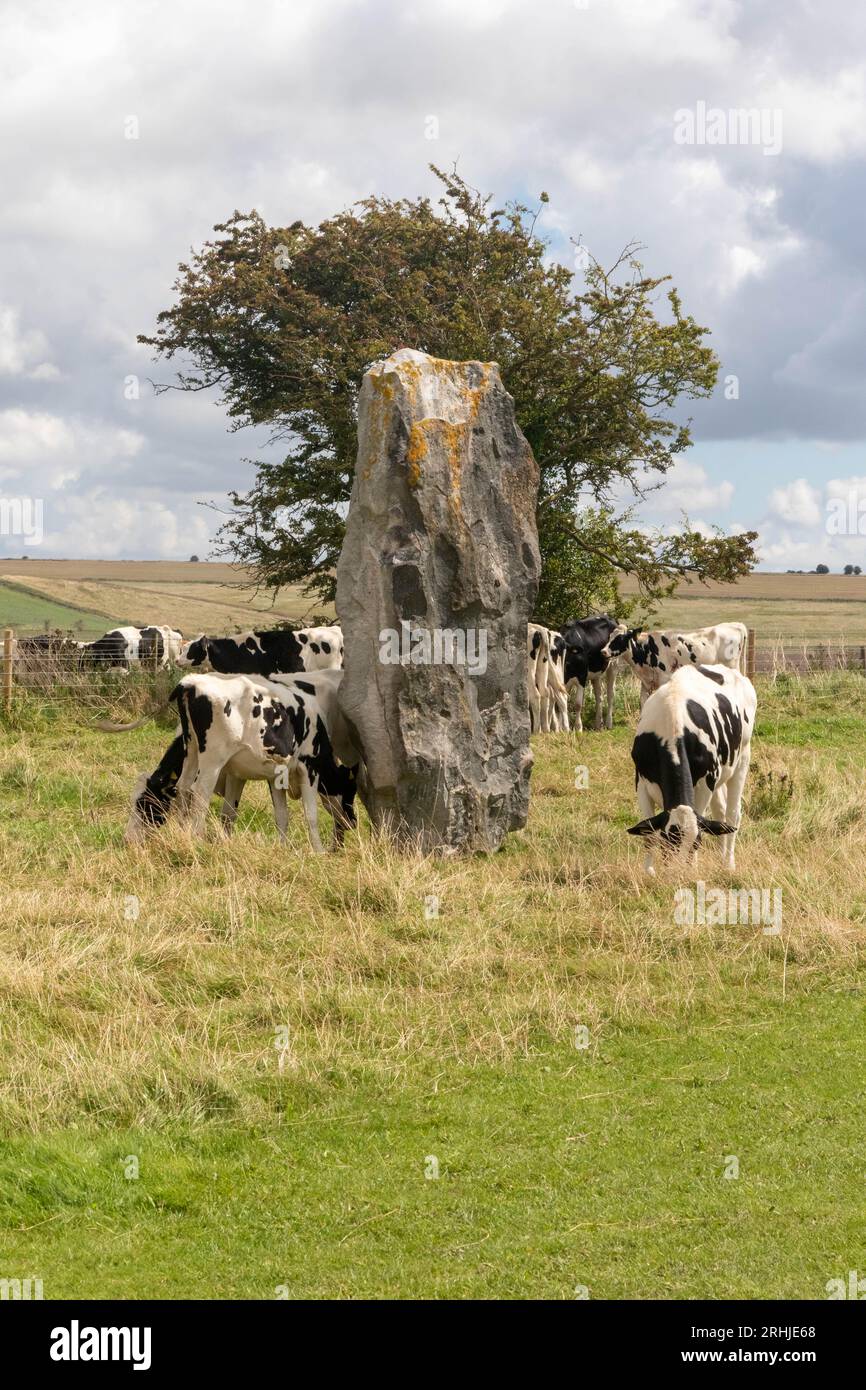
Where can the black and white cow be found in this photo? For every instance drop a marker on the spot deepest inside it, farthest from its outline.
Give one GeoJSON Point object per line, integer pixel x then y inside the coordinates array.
{"type": "Point", "coordinates": [34, 652]}
{"type": "Point", "coordinates": [545, 679]}
{"type": "Point", "coordinates": [654, 655]}
{"type": "Point", "coordinates": [586, 660]}
{"type": "Point", "coordinates": [691, 754]}
{"type": "Point", "coordinates": [557, 690]}
{"type": "Point", "coordinates": [537, 657]}
{"type": "Point", "coordinates": [234, 729]}
{"type": "Point", "coordinates": [282, 650]}
{"type": "Point", "coordinates": [155, 794]}
{"type": "Point", "coordinates": [155, 646]}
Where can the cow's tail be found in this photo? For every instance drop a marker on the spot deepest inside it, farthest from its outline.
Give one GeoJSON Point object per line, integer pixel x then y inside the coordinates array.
{"type": "Point", "coordinates": [108, 726]}
{"type": "Point", "coordinates": [177, 698]}
{"type": "Point", "coordinates": [744, 646]}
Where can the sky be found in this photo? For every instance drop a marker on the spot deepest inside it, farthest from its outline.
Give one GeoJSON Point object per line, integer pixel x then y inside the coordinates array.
{"type": "Point", "coordinates": [129, 131]}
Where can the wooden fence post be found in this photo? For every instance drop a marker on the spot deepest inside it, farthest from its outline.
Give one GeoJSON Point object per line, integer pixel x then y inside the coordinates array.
{"type": "Point", "coordinates": [8, 635]}
{"type": "Point", "coordinates": [750, 653]}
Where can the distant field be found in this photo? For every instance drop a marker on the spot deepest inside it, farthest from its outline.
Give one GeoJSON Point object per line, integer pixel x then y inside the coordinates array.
{"type": "Point", "coordinates": [218, 597]}
{"type": "Point", "coordinates": [193, 598]}
{"type": "Point", "coordinates": [27, 611]}
{"type": "Point", "coordinates": [817, 608]}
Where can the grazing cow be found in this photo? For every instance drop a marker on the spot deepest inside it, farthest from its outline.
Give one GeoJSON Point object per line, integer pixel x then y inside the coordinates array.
{"type": "Point", "coordinates": [123, 646]}
{"type": "Point", "coordinates": [154, 795]}
{"type": "Point", "coordinates": [249, 725]}
{"type": "Point", "coordinates": [691, 754]}
{"type": "Point", "coordinates": [586, 659]}
{"type": "Point", "coordinates": [61, 651]}
{"type": "Point", "coordinates": [280, 650]}
{"type": "Point", "coordinates": [655, 655]}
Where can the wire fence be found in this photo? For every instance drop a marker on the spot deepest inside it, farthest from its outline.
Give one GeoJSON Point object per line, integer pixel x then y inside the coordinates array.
{"type": "Point", "coordinates": [51, 670]}
{"type": "Point", "coordinates": [54, 671]}
{"type": "Point", "coordinates": [778, 657]}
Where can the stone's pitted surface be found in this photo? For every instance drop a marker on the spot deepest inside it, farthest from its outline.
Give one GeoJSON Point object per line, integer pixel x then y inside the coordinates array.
{"type": "Point", "coordinates": [440, 536]}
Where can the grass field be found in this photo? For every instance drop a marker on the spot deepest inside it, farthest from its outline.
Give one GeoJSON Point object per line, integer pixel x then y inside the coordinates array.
{"type": "Point", "coordinates": [26, 610]}
{"type": "Point", "coordinates": [289, 1049]}
{"type": "Point", "coordinates": [193, 598]}
{"type": "Point", "coordinates": [217, 597]}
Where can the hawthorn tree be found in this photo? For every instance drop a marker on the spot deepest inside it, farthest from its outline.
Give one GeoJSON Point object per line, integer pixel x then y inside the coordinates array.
{"type": "Point", "coordinates": [283, 321]}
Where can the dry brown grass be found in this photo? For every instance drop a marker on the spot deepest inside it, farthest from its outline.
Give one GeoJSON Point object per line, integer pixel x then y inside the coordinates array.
{"type": "Point", "coordinates": [173, 1015]}
{"type": "Point", "coordinates": [191, 607]}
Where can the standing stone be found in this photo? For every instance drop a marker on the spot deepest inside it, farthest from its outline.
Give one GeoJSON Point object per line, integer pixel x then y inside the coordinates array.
{"type": "Point", "coordinates": [435, 585]}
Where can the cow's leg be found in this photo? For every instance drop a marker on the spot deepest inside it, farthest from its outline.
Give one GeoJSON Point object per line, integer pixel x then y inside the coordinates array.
{"type": "Point", "coordinates": [534, 705]}
{"type": "Point", "coordinates": [647, 808]}
{"type": "Point", "coordinates": [610, 682]}
{"type": "Point", "coordinates": [561, 701]}
{"type": "Point", "coordinates": [188, 773]}
{"type": "Point", "coordinates": [579, 693]}
{"type": "Point", "coordinates": [596, 690]}
{"type": "Point", "coordinates": [232, 792]}
{"type": "Point", "coordinates": [734, 806]}
{"type": "Point", "coordinates": [310, 802]}
{"type": "Point", "coordinates": [543, 700]}
{"type": "Point", "coordinates": [280, 803]}
{"type": "Point", "coordinates": [201, 791]}
{"type": "Point", "coordinates": [342, 811]}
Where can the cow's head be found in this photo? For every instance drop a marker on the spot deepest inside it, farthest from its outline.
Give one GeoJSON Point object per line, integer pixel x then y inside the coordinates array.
{"type": "Point", "coordinates": [620, 641]}
{"type": "Point", "coordinates": [150, 807]}
{"type": "Point", "coordinates": [277, 728]}
{"type": "Point", "coordinates": [680, 829]}
{"type": "Point", "coordinates": [193, 653]}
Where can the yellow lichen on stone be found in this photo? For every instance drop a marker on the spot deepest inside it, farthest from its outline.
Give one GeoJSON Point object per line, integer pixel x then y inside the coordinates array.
{"type": "Point", "coordinates": [416, 451]}
{"type": "Point", "coordinates": [454, 436]}
{"type": "Point", "coordinates": [410, 373]}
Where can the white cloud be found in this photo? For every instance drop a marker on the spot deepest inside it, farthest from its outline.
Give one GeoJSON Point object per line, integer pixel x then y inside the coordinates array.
{"type": "Point", "coordinates": [688, 486]}
{"type": "Point", "coordinates": [42, 451]}
{"type": "Point", "coordinates": [300, 109]}
{"type": "Point", "coordinates": [94, 525]}
{"type": "Point", "coordinates": [824, 117]}
{"type": "Point", "coordinates": [798, 502]}
{"type": "Point", "coordinates": [23, 353]}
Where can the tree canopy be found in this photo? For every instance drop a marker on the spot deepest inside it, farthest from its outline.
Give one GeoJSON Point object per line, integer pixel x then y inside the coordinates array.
{"type": "Point", "coordinates": [283, 322]}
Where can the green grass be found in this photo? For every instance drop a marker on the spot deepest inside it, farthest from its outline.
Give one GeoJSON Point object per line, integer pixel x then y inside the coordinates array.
{"type": "Point", "coordinates": [455, 1038]}
{"type": "Point", "coordinates": [604, 1169]}
{"type": "Point", "coordinates": [27, 611]}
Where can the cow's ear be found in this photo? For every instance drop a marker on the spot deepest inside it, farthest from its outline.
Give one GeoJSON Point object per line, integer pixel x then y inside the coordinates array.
{"type": "Point", "coordinates": [651, 826]}
{"type": "Point", "coordinates": [715, 827]}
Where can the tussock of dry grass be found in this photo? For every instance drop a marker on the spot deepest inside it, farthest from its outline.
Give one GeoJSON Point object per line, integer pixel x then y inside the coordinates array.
{"type": "Point", "coordinates": [174, 1014]}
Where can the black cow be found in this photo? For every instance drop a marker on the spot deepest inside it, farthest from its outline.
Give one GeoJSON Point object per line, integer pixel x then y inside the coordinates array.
{"type": "Point", "coordinates": [585, 641]}
{"type": "Point", "coordinates": [282, 650]}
